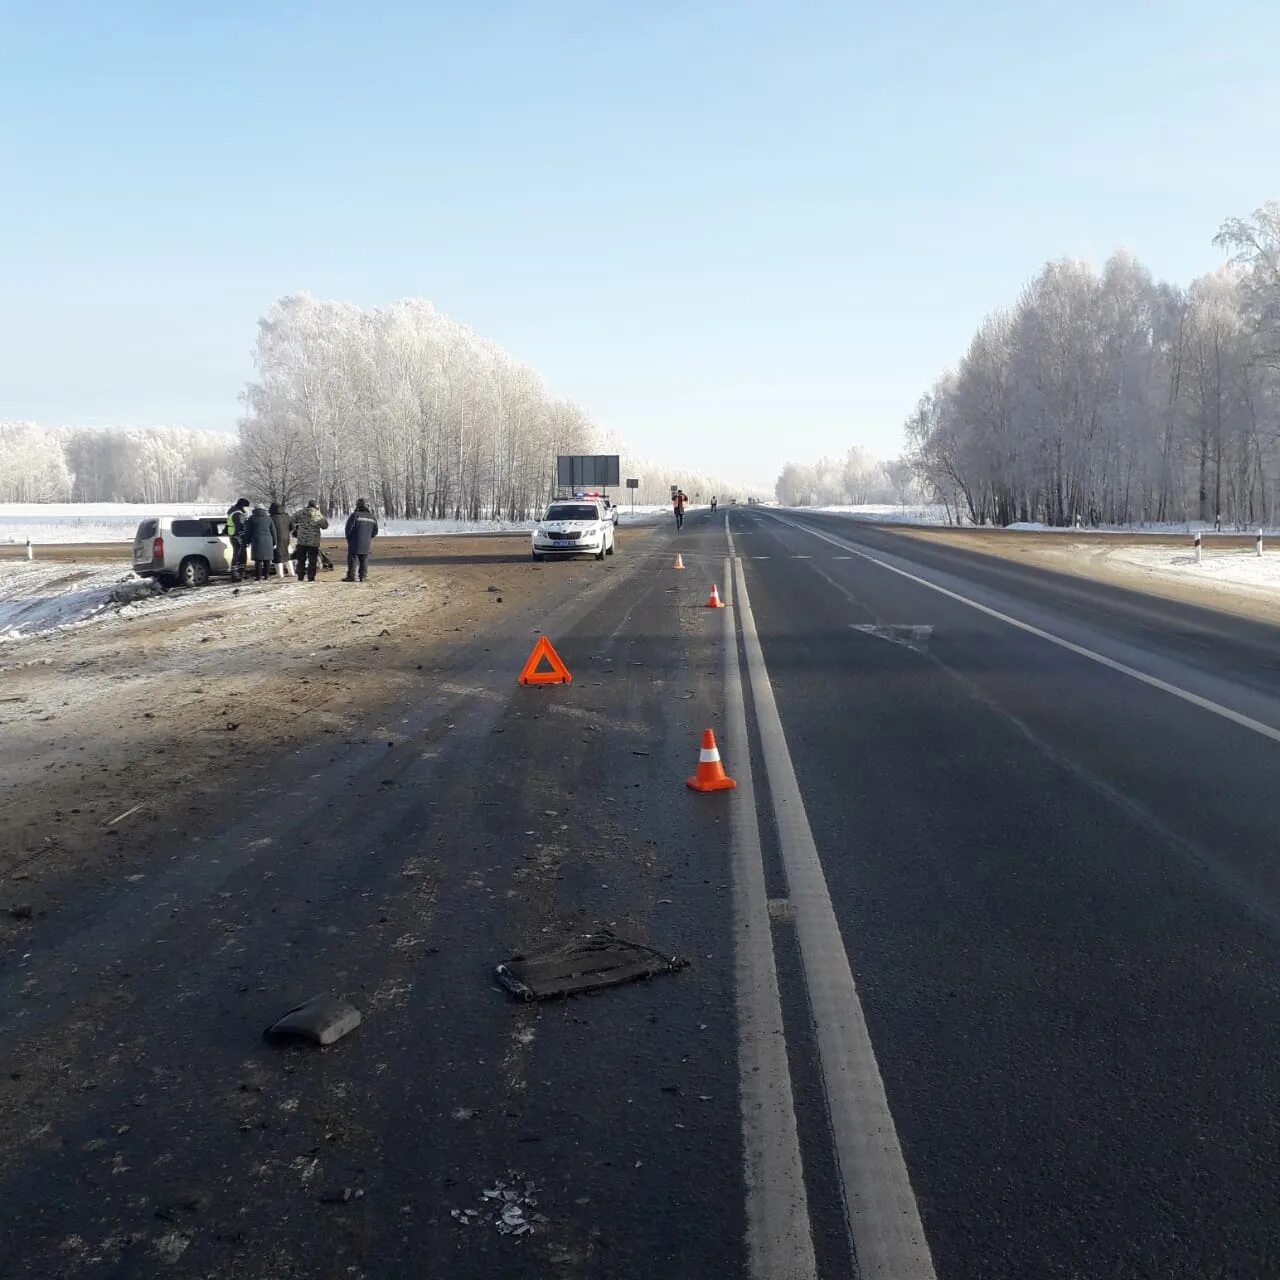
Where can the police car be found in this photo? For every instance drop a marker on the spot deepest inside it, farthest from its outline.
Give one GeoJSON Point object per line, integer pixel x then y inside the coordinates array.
{"type": "Point", "coordinates": [574, 527]}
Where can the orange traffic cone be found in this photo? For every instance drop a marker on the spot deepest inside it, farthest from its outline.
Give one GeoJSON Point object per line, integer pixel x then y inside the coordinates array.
{"type": "Point", "coordinates": [679, 564]}
{"type": "Point", "coordinates": [713, 600]}
{"type": "Point", "coordinates": [711, 775]}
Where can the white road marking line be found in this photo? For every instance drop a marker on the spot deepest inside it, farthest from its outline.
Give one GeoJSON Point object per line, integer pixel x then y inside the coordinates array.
{"type": "Point", "coordinates": [1205, 704]}
{"type": "Point", "coordinates": [779, 1234]}
{"type": "Point", "coordinates": [883, 1217]}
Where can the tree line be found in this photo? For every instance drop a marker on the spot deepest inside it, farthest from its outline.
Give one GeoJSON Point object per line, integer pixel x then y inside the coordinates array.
{"type": "Point", "coordinates": [857, 479]}
{"type": "Point", "coordinates": [412, 410]}
{"type": "Point", "coordinates": [1112, 398]}
{"type": "Point", "coordinates": [133, 464]}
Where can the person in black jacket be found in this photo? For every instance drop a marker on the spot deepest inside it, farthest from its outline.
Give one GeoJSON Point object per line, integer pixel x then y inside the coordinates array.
{"type": "Point", "coordinates": [260, 537]}
{"type": "Point", "coordinates": [362, 528]}
{"type": "Point", "coordinates": [236, 517]}
{"type": "Point", "coordinates": [280, 518]}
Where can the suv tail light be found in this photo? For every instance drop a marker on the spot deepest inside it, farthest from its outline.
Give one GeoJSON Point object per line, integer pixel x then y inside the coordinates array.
{"type": "Point", "coordinates": [157, 549]}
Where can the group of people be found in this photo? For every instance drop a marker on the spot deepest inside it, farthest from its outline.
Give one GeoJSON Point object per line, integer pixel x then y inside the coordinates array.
{"type": "Point", "coordinates": [263, 535]}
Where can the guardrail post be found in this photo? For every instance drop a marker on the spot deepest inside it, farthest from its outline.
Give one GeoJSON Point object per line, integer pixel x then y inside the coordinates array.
{"type": "Point", "coordinates": [1197, 546]}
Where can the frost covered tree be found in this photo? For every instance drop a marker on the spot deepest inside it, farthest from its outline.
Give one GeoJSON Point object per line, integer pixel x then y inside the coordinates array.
{"type": "Point", "coordinates": [1111, 398]}
{"type": "Point", "coordinates": [130, 464]}
{"type": "Point", "coordinates": [413, 410]}
{"type": "Point", "coordinates": [33, 467]}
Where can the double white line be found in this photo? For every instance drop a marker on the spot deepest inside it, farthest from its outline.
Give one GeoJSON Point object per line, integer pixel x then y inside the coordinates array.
{"type": "Point", "coordinates": [884, 1221]}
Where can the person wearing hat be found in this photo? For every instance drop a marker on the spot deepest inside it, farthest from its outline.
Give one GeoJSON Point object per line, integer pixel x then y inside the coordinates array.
{"type": "Point", "coordinates": [237, 517]}
{"type": "Point", "coordinates": [260, 540]}
{"type": "Point", "coordinates": [362, 528]}
{"type": "Point", "coordinates": [309, 523]}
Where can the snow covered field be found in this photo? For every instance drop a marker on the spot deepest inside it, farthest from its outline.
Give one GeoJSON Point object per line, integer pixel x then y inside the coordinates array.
{"type": "Point", "coordinates": [65, 522]}
{"type": "Point", "coordinates": [36, 599]}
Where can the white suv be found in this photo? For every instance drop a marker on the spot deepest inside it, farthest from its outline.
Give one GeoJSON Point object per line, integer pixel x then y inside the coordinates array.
{"type": "Point", "coordinates": [574, 527]}
{"type": "Point", "coordinates": [182, 549]}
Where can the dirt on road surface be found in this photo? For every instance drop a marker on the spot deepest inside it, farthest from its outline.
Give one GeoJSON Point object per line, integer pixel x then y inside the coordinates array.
{"type": "Point", "coordinates": [112, 725]}
{"type": "Point", "coordinates": [1102, 558]}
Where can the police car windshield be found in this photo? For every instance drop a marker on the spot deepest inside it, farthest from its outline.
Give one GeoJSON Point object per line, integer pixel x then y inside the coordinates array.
{"type": "Point", "coordinates": [567, 512]}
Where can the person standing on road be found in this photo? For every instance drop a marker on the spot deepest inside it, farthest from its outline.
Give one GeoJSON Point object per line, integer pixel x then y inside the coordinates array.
{"type": "Point", "coordinates": [280, 518]}
{"type": "Point", "coordinates": [260, 540]}
{"type": "Point", "coordinates": [362, 528]}
{"type": "Point", "coordinates": [677, 505]}
{"type": "Point", "coordinates": [236, 517]}
{"type": "Point", "coordinates": [309, 522]}
{"type": "Point", "coordinates": [713, 503]}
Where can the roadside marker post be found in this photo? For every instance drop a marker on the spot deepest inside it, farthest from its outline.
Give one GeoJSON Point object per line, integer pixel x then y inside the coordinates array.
{"type": "Point", "coordinates": [1197, 547]}
{"type": "Point", "coordinates": [31, 551]}
{"type": "Point", "coordinates": [543, 651]}
{"type": "Point", "coordinates": [1258, 544]}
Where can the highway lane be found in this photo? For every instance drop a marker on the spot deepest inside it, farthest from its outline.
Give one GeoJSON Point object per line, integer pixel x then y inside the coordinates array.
{"type": "Point", "coordinates": [502, 819]}
{"type": "Point", "coordinates": [1057, 887]}
{"type": "Point", "coordinates": [1052, 885]}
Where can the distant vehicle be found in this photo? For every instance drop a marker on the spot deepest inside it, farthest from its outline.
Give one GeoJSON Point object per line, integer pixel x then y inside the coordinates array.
{"type": "Point", "coordinates": [186, 550]}
{"type": "Point", "coordinates": [579, 527]}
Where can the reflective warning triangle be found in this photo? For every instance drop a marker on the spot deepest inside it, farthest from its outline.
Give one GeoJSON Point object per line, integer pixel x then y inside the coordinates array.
{"type": "Point", "coordinates": [559, 673]}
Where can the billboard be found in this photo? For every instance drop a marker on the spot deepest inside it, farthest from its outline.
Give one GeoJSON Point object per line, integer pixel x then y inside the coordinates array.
{"type": "Point", "coordinates": [587, 470]}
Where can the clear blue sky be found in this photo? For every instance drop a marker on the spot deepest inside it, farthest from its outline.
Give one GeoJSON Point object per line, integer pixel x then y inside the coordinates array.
{"type": "Point", "coordinates": [736, 232]}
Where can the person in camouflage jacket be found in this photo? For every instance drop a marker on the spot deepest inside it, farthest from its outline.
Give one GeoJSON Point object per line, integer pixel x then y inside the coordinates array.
{"type": "Point", "coordinates": [308, 525]}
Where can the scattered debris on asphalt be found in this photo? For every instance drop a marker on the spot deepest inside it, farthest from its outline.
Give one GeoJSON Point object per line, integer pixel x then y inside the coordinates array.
{"type": "Point", "coordinates": [322, 1020]}
{"type": "Point", "coordinates": [589, 962]}
{"type": "Point", "coordinates": [507, 1206]}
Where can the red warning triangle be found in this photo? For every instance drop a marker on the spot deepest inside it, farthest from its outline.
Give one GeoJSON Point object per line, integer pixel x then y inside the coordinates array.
{"type": "Point", "coordinates": [559, 673]}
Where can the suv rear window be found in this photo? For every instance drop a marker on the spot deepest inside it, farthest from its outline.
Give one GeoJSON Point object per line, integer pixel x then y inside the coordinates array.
{"type": "Point", "coordinates": [198, 528]}
{"type": "Point", "coordinates": [147, 529]}
{"type": "Point", "coordinates": [572, 513]}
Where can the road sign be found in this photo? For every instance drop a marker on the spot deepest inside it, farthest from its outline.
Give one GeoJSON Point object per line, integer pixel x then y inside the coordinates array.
{"type": "Point", "coordinates": [587, 470]}
{"type": "Point", "coordinates": [633, 484]}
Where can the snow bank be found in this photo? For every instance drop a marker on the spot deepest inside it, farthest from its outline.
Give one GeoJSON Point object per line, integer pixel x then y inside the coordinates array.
{"type": "Point", "coordinates": [890, 513]}
{"type": "Point", "coordinates": [1235, 570]}
{"type": "Point", "coordinates": [36, 599]}
{"type": "Point", "coordinates": [1168, 528]}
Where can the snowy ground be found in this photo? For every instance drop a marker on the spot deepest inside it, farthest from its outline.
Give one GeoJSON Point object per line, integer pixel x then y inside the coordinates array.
{"type": "Point", "coordinates": [892, 512]}
{"type": "Point", "coordinates": [1242, 570]}
{"type": "Point", "coordinates": [71, 522]}
{"type": "Point", "coordinates": [938, 515]}
{"type": "Point", "coordinates": [39, 598]}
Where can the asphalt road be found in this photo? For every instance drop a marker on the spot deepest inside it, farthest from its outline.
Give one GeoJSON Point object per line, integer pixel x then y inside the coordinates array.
{"type": "Point", "coordinates": [1045, 858]}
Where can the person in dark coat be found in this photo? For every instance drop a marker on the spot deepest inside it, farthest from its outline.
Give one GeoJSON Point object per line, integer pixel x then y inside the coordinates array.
{"type": "Point", "coordinates": [280, 518]}
{"type": "Point", "coordinates": [260, 539]}
{"type": "Point", "coordinates": [362, 528]}
{"type": "Point", "coordinates": [236, 517]}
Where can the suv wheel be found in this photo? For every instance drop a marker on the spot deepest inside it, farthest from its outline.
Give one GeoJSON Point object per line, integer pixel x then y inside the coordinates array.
{"type": "Point", "coordinates": [193, 571]}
